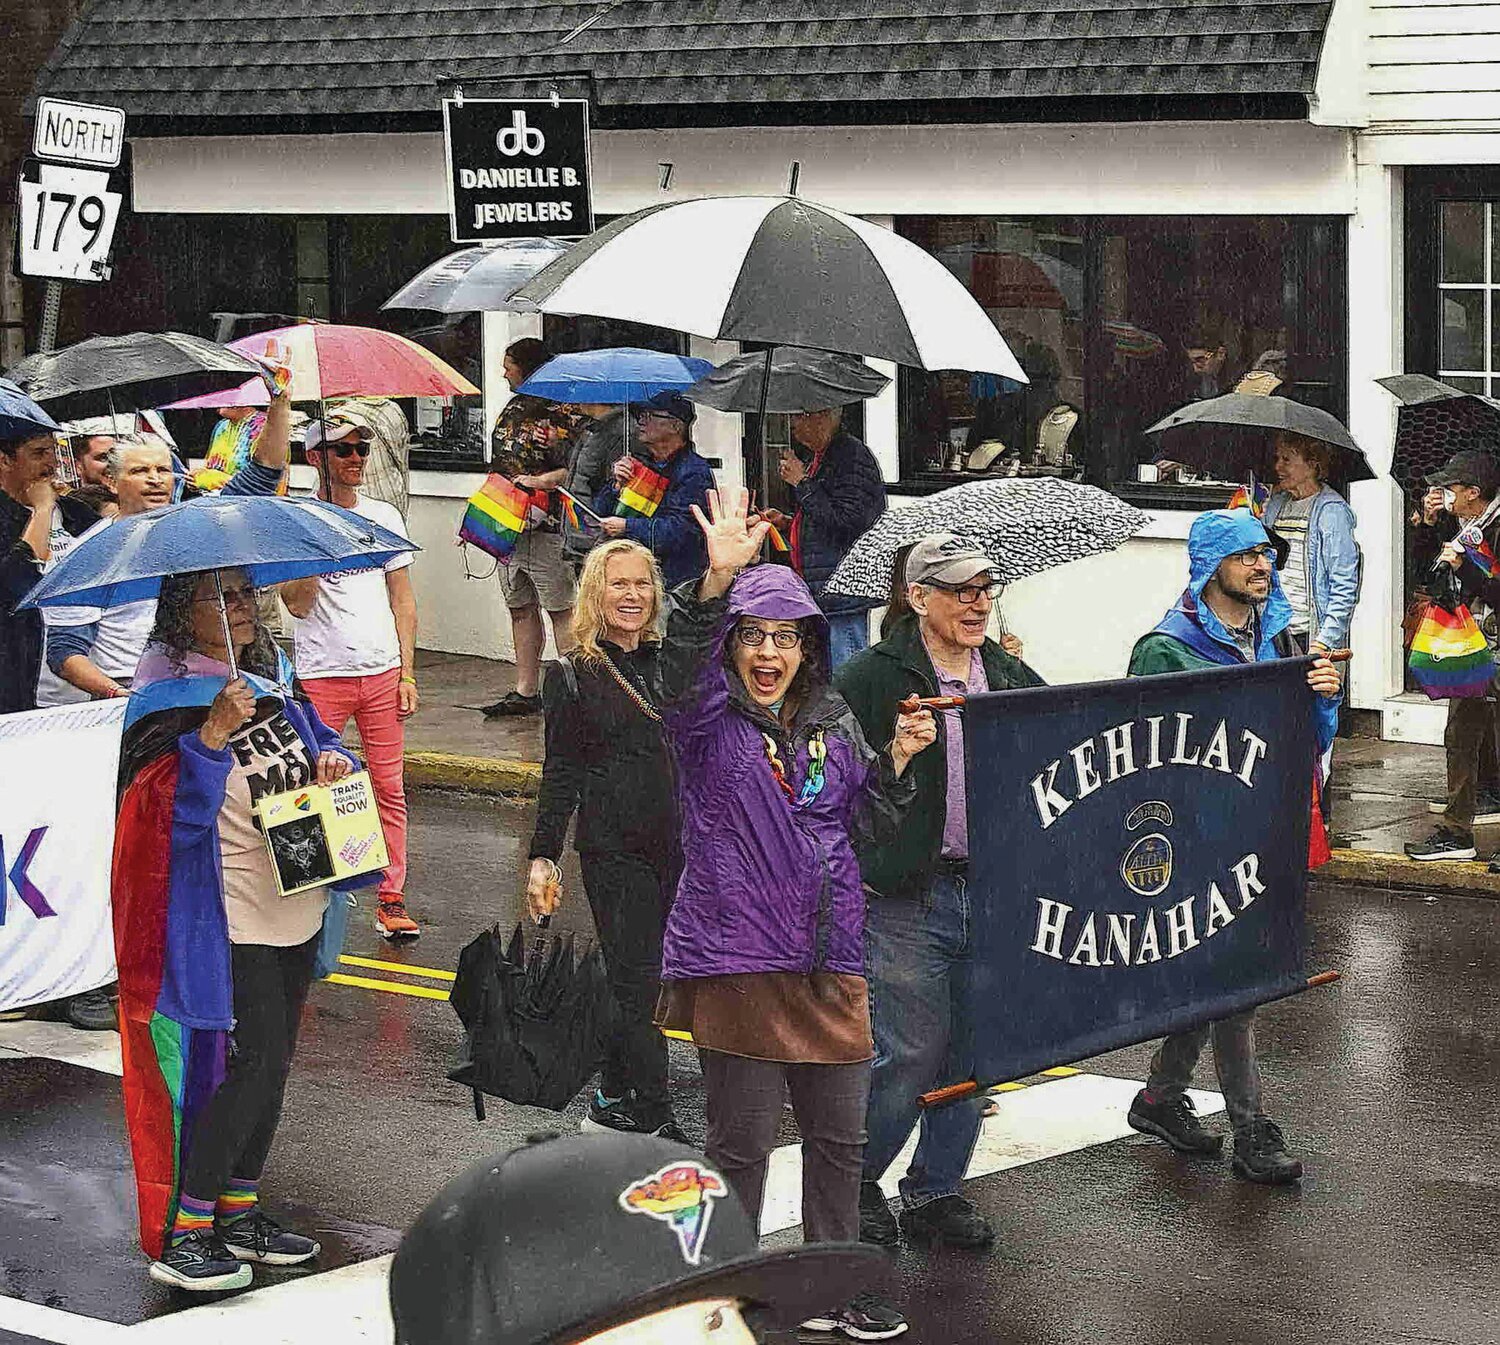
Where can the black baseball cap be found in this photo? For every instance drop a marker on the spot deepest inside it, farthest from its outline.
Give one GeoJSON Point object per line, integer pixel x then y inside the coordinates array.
{"type": "Point", "coordinates": [1469, 467]}
{"type": "Point", "coordinates": [569, 1236]}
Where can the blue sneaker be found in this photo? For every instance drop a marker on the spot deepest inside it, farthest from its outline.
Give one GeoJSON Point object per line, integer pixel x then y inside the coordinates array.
{"type": "Point", "coordinates": [201, 1263]}
{"type": "Point", "coordinates": [258, 1237]}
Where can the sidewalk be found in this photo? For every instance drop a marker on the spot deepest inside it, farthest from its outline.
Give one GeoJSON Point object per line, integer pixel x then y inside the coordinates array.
{"type": "Point", "coordinates": [1380, 790]}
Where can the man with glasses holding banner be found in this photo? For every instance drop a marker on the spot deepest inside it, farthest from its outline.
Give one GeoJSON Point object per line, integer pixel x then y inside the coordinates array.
{"type": "Point", "coordinates": [918, 927]}
{"type": "Point", "coordinates": [355, 647]}
{"type": "Point", "coordinates": [1232, 612]}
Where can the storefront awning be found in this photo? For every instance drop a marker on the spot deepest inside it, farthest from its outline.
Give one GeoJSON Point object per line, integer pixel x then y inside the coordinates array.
{"type": "Point", "coordinates": [223, 64]}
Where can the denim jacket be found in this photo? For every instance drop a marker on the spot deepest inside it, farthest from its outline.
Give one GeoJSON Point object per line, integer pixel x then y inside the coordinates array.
{"type": "Point", "coordinates": [1334, 564]}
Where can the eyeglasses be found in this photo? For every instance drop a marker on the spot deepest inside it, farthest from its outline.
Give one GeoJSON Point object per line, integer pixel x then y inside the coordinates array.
{"type": "Point", "coordinates": [348, 450]}
{"type": "Point", "coordinates": [752, 637]}
{"type": "Point", "coordinates": [242, 597]}
{"type": "Point", "coordinates": [1256, 554]}
{"type": "Point", "coordinates": [969, 594]}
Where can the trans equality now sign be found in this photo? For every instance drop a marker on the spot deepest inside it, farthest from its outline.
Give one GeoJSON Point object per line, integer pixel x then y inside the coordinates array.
{"type": "Point", "coordinates": [1138, 855]}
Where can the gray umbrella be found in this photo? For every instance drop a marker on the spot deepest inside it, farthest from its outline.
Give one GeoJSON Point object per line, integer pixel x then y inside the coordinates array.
{"type": "Point", "coordinates": [801, 380]}
{"type": "Point", "coordinates": [138, 371]}
{"type": "Point", "coordinates": [1025, 525]}
{"type": "Point", "coordinates": [479, 279]}
{"type": "Point", "coordinates": [1244, 411]}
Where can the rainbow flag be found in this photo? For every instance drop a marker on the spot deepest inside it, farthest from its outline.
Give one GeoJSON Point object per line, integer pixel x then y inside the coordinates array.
{"type": "Point", "coordinates": [495, 516]}
{"type": "Point", "coordinates": [777, 540]}
{"type": "Point", "coordinates": [642, 494]}
{"type": "Point", "coordinates": [1449, 656]}
{"type": "Point", "coordinates": [1252, 497]}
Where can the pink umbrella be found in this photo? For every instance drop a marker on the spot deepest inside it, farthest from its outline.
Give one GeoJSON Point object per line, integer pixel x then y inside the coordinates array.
{"type": "Point", "coordinates": [331, 360]}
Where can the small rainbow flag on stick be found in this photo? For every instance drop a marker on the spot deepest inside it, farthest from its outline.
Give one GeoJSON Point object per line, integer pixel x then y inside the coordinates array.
{"type": "Point", "coordinates": [1449, 656]}
{"type": "Point", "coordinates": [496, 516]}
{"type": "Point", "coordinates": [572, 505]}
{"type": "Point", "coordinates": [642, 494]}
{"type": "Point", "coordinates": [777, 540]}
{"type": "Point", "coordinates": [1253, 497]}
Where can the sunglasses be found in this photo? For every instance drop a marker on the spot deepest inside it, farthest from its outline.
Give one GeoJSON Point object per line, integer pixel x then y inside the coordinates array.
{"type": "Point", "coordinates": [233, 597]}
{"type": "Point", "coordinates": [362, 449]}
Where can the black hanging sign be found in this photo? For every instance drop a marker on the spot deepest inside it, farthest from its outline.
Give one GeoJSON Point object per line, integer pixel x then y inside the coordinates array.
{"type": "Point", "coordinates": [517, 168]}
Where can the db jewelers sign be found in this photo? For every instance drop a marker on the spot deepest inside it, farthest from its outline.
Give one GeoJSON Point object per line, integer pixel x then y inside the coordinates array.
{"type": "Point", "coordinates": [1137, 858]}
{"type": "Point", "coordinates": [518, 168]}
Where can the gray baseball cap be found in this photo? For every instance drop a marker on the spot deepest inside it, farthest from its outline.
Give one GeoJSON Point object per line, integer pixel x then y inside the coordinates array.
{"type": "Point", "coordinates": [943, 558]}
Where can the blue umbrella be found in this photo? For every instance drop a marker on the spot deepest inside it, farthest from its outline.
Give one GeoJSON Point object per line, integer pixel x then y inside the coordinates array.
{"type": "Point", "coordinates": [613, 377]}
{"type": "Point", "coordinates": [271, 538]}
{"type": "Point", "coordinates": [20, 417]}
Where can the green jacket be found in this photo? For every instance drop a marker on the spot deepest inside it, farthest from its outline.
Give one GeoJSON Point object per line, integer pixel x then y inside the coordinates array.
{"type": "Point", "coordinates": [873, 683]}
{"type": "Point", "coordinates": [1161, 653]}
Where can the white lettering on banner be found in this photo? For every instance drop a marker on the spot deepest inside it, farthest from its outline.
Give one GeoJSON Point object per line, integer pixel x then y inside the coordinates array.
{"type": "Point", "coordinates": [522, 212]}
{"type": "Point", "coordinates": [1133, 943]}
{"type": "Point", "coordinates": [520, 138]}
{"type": "Point", "coordinates": [57, 835]}
{"type": "Point", "coordinates": [1118, 749]}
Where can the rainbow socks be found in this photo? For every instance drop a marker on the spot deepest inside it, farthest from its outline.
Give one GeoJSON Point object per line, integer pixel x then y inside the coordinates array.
{"type": "Point", "coordinates": [193, 1216]}
{"type": "Point", "coordinates": [238, 1200]}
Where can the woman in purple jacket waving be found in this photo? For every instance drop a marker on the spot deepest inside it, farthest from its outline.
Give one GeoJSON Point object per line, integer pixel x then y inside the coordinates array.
{"type": "Point", "coordinates": [763, 956]}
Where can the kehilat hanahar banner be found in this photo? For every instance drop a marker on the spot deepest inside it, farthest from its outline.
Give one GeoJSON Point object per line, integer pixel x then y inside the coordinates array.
{"type": "Point", "coordinates": [1138, 857]}
{"type": "Point", "coordinates": [57, 832]}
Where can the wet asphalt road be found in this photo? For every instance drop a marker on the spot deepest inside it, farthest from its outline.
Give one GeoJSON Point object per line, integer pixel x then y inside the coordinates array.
{"type": "Point", "coordinates": [1386, 1085]}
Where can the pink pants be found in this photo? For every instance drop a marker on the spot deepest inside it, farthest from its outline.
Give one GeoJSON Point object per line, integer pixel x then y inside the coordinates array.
{"type": "Point", "coordinates": [371, 703]}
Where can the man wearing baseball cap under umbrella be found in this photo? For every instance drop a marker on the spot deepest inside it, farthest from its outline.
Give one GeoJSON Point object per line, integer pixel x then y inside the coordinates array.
{"type": "Point", "coordinates": [607, 1239]}
{"type": "Point", "coordinates": [918, 922]}
{"type": "Point", "coordinates": [1467, 488]}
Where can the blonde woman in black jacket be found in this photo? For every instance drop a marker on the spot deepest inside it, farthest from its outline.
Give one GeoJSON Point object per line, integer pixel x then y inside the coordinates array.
{"type": "Point", "coordinates": [608, 761]}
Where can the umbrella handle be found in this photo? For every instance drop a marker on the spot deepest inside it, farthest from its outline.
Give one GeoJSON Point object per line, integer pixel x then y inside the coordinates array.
{"type": "Point", "coordinates": [914, 703]}
{"type": "Point", "coordinates": [234, 666]}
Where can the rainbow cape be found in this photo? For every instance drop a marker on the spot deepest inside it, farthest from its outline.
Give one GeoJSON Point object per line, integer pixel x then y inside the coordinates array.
{"type": "Point", "coordinates": [1253, 497]}
{"type": "Point", "coordinates": [642, 495]}
{"type": "Point", "coordinates": [1449, 656]}
{"type": "Point", "coordinates": [495, 516]}
{"type": "Point", "coordinates": [171, 933]}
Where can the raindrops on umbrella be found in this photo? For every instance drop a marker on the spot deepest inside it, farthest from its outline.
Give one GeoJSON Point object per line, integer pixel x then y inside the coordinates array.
{"type": "Point", "coordinates": [1024, 525]}
{"type": "Point", "coordinates": [1435, 422]}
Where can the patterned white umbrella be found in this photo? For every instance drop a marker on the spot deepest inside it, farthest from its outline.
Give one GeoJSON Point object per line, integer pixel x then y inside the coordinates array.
{"type": "Point", "coordinates": [1025, 525]}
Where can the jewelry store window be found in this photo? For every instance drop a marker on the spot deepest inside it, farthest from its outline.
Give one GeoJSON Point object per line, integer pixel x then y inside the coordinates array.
{"type": "Point", "coordinates": [1116, 322]}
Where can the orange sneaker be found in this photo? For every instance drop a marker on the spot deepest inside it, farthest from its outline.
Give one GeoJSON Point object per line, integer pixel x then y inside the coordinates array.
{"type": "Point", "coordinates": [392, 921]}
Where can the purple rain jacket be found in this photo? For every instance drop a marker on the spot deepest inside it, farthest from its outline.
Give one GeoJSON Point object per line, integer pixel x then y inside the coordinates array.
{"type": "Point", "coordinates": [765, 886]}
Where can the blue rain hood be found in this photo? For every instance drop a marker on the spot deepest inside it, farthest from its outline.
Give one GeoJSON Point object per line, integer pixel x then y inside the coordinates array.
{"type": "Point", "coordinates": [1215, 536]}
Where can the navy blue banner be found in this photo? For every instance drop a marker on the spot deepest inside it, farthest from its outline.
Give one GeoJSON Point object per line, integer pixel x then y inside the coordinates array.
{"type": "Point", "coordinates": [1138, 858]}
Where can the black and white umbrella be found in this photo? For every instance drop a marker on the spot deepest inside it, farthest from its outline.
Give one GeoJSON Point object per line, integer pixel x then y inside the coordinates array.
{"type": "Point", "coordinates": [1025, 525]}
{"type": "Point", "coordinates": [479, 279]}
{"type": "Point", "coordinates": [780, 270]}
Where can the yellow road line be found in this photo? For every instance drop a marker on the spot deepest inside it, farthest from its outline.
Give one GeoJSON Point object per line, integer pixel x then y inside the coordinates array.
{"type": "Point", "coordinates": [390, 987]}
{"type": "Point", "coordinates": [431, 973]}
{"type": "Point", "coordinates": [1060, 1072]}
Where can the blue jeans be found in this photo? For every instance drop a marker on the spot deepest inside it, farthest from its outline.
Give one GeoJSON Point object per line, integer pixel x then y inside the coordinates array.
{"type": "Point", "coordinates": [917, 958]}
{"type": "Point", "coordinates": [848, 633]}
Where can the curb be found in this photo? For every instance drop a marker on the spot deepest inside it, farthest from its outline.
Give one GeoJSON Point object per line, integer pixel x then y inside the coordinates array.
{"type": "Point", "coordinates": [1374, 868]}
{"type": "Point", "coordinates": [501, 777]}
{"type": "Point", "coordinates": [475, 775]}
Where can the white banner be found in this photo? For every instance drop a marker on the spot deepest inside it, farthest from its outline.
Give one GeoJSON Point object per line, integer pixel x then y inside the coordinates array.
{"type": "Point", "coordinates": [57, 832]}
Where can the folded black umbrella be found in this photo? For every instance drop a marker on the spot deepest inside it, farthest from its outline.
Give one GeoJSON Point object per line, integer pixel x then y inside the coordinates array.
{"type": "Point", "coordinates": [801, 380]}
{"type": "Point", "coordinates": [1435, 422]}
{"type": "Point", "coordinates": [1251, 421]}
{"type": "Point", "coordinates": [534, 1018]}
{"type": "Point", "coordinates": [137, 371]}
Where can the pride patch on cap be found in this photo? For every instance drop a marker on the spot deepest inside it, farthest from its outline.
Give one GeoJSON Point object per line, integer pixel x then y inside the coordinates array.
{"type": "Point", "coordinates": [680, 1196]}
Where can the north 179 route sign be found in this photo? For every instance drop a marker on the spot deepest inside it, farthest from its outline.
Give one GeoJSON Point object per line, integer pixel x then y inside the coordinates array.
{"type": "Point", "coordinates": [517, 168]}
{"type": "Point", "coordinates": [68, 221]}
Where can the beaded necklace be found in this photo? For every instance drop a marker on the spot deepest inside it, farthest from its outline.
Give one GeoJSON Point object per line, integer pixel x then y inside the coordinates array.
{"type": "Point", "coordinates": [812, 786]}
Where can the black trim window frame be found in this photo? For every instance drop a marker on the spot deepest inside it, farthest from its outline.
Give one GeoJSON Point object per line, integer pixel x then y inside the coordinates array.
{"type": "Point", "coordinates": [1313, 304]}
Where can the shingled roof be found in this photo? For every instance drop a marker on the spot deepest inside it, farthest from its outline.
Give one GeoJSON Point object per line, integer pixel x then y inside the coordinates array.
{"type": "Point", "coordinates": [241, 61]}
